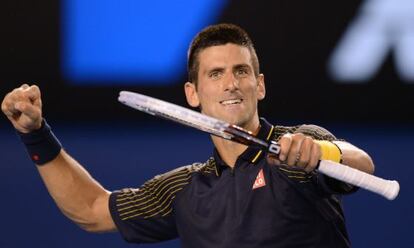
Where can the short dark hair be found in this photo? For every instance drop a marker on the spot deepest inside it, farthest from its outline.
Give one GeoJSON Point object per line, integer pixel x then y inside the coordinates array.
{"type": "Point", "coordinates": [217, 35]}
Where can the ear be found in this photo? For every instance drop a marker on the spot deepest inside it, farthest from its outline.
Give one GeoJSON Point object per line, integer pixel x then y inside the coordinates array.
{"type": "Point", "coordinates": [191, 94]}
{"type": "Point", "coordinates": [261, 89]}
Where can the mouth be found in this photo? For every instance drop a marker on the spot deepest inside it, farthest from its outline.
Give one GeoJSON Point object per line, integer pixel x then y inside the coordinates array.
{"type": "Point", "coordinates": [231, 101]}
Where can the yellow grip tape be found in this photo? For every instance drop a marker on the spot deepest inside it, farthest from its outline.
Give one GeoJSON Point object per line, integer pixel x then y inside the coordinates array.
{"type": "Point", "coordinates": [330, 151]}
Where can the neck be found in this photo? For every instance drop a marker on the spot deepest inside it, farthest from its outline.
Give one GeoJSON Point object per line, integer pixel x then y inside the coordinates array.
{"type": "Point", "coordinates": [229, 151]}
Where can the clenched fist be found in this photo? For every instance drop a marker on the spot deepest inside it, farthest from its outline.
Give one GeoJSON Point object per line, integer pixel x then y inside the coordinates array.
{"type": "Point", "coordinates": [23, 107]}
{"type": "Point", "coordinates": [297, 150]}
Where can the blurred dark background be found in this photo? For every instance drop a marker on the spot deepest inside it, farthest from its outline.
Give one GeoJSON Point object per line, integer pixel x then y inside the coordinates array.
{"type": "Point", "coordinates": [295, 41]}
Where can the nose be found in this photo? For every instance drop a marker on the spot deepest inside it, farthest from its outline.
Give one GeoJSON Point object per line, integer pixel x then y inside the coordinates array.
{"type": "Point", "coordinates": [231, 83]}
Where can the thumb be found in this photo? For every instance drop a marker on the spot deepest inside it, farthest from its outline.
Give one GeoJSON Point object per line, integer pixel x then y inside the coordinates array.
{"type": "Point", "coordinates": [273, 159]}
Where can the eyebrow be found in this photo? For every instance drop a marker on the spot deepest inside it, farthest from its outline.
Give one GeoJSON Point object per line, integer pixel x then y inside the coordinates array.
{"type": "Point", "coordinates": [215, 69]}
{"type": "Point", "coordinates": [239, 66]}
{"type": "Point", "coordinates": [235, 67]}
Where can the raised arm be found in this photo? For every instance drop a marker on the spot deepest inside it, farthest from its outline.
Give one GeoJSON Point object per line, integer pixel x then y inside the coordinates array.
{"type": "Point", "coordinates": [76, 193]}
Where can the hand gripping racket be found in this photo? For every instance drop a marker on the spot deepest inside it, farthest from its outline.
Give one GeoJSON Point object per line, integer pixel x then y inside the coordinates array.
{"type": "Point", "coordinates": [387, 188]}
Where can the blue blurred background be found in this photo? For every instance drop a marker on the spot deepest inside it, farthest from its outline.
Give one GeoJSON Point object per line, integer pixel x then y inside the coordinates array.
{"type": "Point", "coordinates": [347, 66]}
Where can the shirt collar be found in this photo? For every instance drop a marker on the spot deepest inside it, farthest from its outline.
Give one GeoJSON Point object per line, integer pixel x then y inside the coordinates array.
{"type": "Point", "coordinates": [251, 154]}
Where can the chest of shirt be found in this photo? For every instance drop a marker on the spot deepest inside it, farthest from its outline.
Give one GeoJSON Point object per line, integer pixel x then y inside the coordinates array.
{"type": "Point", "coordinates": [258, 195]}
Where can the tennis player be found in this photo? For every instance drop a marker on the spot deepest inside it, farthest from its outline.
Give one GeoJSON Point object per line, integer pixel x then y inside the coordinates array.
{"type": "Point", "coordinates": [239, 197]}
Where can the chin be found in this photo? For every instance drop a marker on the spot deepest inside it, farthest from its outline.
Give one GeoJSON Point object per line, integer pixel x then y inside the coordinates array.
{"type": "Point", "coordinates": [236, 121]}
{"type": "Point", "coordinates": [236, 118]}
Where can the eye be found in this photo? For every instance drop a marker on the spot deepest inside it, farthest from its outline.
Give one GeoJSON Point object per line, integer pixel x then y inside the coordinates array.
{"type": "Point", "coordinates": [215, 74]}
{"type": "Point", "coordinates": [242, 71]}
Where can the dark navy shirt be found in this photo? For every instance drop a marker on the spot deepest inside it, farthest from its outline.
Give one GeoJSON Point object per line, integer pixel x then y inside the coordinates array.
{"type": "Point", "coordinates": [252, 205]}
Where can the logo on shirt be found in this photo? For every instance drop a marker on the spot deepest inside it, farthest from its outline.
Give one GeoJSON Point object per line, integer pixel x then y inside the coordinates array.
{"type": "Point", "coordinates": [260, 180]}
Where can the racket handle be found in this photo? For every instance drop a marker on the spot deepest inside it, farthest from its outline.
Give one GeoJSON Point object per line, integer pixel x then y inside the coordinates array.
{"type": "Point", "coordinates": [387, 188]}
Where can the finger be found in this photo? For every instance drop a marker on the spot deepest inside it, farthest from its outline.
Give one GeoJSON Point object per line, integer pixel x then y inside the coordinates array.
{"type": "Point", "coordinates": [273, 160]}
{"type": "Point", "coordinates": [285, 142]}
{"type": "Point", "coordinates": [28, 109]}
{"type": "Point", "coordinates": [33, 93]}
{"type": "Point", "coordinates": [10, 100]}
{"type": "Point", "coordinates": [18, 94]}
{"type": "Point", "coordinates": [4, 104]}
{"type": "Point", "coordinates": [11, 113]}
{"type": "Point", "coordinates": [294, 152]}
{"type": "Point", "coordinates": [305, 152]}
{"type": "Point", "coordinates": [316, 155]}
{"type": "Point", "coordinates": [30, 94]}
{"type": "Point", "coordinates": [7, 106]}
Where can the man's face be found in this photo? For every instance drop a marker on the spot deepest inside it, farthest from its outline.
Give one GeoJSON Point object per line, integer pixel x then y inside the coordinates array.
{"type": "Point", "coordinates": [227, 86]}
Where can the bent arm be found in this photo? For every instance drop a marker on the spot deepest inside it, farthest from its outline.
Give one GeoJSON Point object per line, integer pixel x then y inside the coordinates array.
{"type": "Point", "coordinates": [77, 194]}
{"type": "Point", "coordinates": [301, 149]}
{"type": "Point", "coordinates": [352, 156]}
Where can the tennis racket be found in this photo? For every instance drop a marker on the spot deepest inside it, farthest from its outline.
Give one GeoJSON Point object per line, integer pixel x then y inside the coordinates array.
{"type": "Point", "coordinates": [387, 188]}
